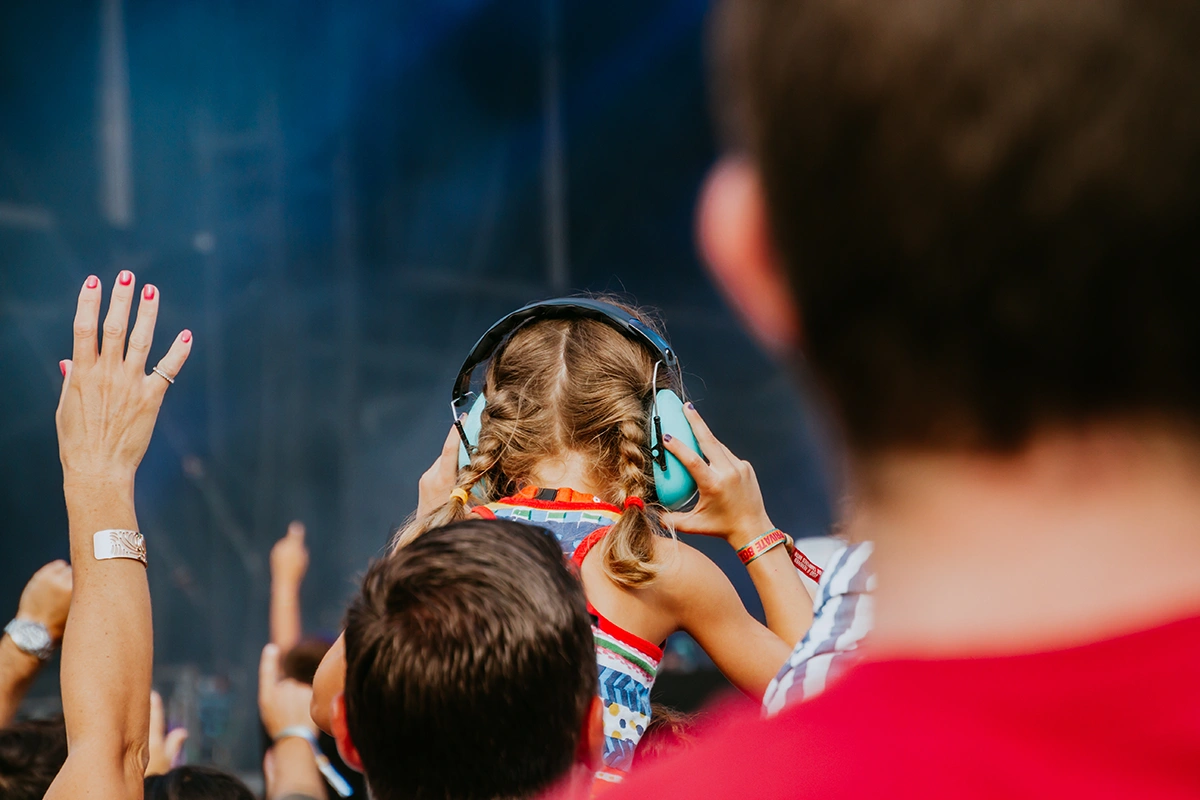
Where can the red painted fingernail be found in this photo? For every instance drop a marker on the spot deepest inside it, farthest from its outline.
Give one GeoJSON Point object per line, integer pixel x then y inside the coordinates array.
{"type": "Point", "coordinates": [62, 366]}
{"type": "Point", "coordinates": [92, 282]}
{"type": "Point", "coordinates": [185, 337]}
{"type": "Point", "coordinates": [126, 277]}
{"type": "Point", "coordinates": [667, 437]}
{"type": "Point", "coordinates": [691, 407]}
{"type": "Point", "coordinates": [148, 292]}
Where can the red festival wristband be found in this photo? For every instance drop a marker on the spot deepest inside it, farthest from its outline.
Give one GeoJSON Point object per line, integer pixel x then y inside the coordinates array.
{"type": "Point", "coordinates": [801, 561]}
{"type": "Point", "coordinates": [762, 544]}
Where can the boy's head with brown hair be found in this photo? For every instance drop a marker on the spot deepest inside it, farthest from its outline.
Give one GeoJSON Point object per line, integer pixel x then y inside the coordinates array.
{"type": "Point", "coordinates": [470, 667]}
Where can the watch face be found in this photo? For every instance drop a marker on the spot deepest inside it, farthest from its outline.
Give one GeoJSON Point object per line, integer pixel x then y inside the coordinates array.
{"type": "Point", "coordinates": [31, 637]}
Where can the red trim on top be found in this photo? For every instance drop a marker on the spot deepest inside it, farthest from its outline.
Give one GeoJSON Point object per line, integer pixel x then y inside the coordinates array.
{"type": "Point", "coordinates": [587, 543]}
{"type": "Point", "coordinates": [622, 635]}
{"type": "Point", "coordinates": [558, 505]}
{"type": "Point", "coordinates": [570, 500]}
{"type": "Point", "coordinates": [482, 511]}
{"type": "Point", "coordinates": [602, 622]}
{"type": "Point", "coordinates": [564, 500]}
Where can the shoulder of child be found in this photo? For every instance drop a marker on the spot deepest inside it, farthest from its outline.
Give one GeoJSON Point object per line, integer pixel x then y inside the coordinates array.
{"type": "Point", "coordinates": [684, 571]}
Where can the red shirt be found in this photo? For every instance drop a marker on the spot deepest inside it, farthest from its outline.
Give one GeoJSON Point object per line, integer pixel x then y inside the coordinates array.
{"type": "Point", "coordinates": [1114, 719]}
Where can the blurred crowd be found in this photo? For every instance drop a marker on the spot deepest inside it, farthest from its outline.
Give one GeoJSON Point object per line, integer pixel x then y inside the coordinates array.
{"type": "Point", "coordinates": [977, 225]}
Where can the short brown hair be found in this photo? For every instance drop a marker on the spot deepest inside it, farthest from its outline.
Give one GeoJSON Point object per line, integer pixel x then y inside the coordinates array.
{"type": "Point", "coordinates": [989, 210]}
{"type": "Point", "coordinates": [31, 755]}
{"type": "Point", "coordinates": [470, 664]}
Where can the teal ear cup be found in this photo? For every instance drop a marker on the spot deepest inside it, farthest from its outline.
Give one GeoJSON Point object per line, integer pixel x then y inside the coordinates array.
{"type": "Point", "coordinates": [674, 485]}
{"type": "Point", "coordinates": [470, 427]}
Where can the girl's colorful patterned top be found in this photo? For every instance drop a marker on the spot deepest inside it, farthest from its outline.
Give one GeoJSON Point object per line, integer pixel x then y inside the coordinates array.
{"type": "Point", "coordinates": [627, 663]}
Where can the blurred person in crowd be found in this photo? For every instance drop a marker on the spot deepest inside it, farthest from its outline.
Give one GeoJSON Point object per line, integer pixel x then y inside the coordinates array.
{"type": "Point", "coordinates": [31, 754]}
{"type": "Point", "coordinates": [166, 780]}
{"type": "Point", "coordinates": [980, 223]}
{"type": "Point", "coordinates": [470, 669]}
{"type": "Point", "coordinates": [564, 441]}
{"type": "Point", "coordinates": [106, 415]}
{"type": "Point", "coordinates": [33, 635]}
{"type": "Point", "coordinates": [292, 764]}
{"type": "Point", "coordinates": [843, 613]}
{"type": "Point", "coordinates": [289, 564]}
{"type": "Point", "coordinates": [196, 783]}
{"type": "Point", "coordinates": [299, 656]}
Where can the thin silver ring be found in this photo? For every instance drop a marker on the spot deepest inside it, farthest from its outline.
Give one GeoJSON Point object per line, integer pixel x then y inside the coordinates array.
{"type": "Point", "coordinates": [158, 371]}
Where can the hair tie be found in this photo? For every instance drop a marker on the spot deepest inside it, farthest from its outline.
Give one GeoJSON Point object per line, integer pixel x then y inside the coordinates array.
{"type": "Point", "coordinates": [635, 501]}
{"type": "Point", "coordinates": [461, 494]}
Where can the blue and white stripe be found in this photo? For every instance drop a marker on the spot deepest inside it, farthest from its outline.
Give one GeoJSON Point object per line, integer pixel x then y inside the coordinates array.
{"type": "Point", "coordinates": [843, 614]}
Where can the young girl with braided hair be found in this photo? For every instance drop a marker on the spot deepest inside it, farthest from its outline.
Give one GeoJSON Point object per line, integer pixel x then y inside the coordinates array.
{"type": "Point", "coordinates": [563, 444]}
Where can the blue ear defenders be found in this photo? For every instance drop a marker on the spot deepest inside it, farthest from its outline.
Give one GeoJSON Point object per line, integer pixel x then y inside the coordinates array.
{"type": "Point", "coordinates": [672, 483]}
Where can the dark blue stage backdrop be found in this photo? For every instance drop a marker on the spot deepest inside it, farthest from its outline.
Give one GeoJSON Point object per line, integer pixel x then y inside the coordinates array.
{"type": "Point", "coordinates": [337, 198]}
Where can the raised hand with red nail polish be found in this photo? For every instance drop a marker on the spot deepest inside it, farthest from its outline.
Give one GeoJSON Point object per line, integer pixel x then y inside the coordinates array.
{"type": "Point", "coordinates": [109, 404]}
{"type": "Point", "coordinates": [105, 417]}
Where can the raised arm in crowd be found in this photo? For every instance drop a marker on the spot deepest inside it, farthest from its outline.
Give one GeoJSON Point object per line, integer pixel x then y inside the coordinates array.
{"type": "Point", "coordinates": [105, 417]}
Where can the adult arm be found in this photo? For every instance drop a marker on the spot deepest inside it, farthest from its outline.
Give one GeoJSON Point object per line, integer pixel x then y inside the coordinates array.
{"type": "Point", "coordinates": [290, 766]}
{"type": "Point", "coordinates": [105, 417]}
{"type": "Point", "coordinates": [45, 600]}
{"type": "Point", "coordinates": [289, 563]}
{"type": "Point", "coordinates": [17, 673]}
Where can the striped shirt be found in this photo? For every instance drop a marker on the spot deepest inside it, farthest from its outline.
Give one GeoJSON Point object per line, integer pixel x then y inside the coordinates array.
{"type": "Point", "coordinates": [843, 613]}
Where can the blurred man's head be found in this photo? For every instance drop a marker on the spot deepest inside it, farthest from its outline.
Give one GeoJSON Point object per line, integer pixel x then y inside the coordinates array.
{"type": "Point", "coordinates": [470, 667]}
{"type": "Point", "coordinates": [987, 213]}
{"type": "Point", "coordinates": [31, 754]}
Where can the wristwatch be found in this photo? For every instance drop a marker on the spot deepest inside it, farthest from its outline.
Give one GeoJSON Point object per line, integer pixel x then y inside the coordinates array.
{"type": "Point", "coordinates": [31, 637]}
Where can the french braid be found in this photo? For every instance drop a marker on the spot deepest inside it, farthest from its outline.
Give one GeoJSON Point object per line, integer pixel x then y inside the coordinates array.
{"type": "Point", "coordinates": [628, 549]}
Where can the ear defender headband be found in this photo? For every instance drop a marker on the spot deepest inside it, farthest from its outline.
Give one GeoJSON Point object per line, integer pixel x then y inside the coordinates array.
{"type": "Point", "coordinates": [672, 483]}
